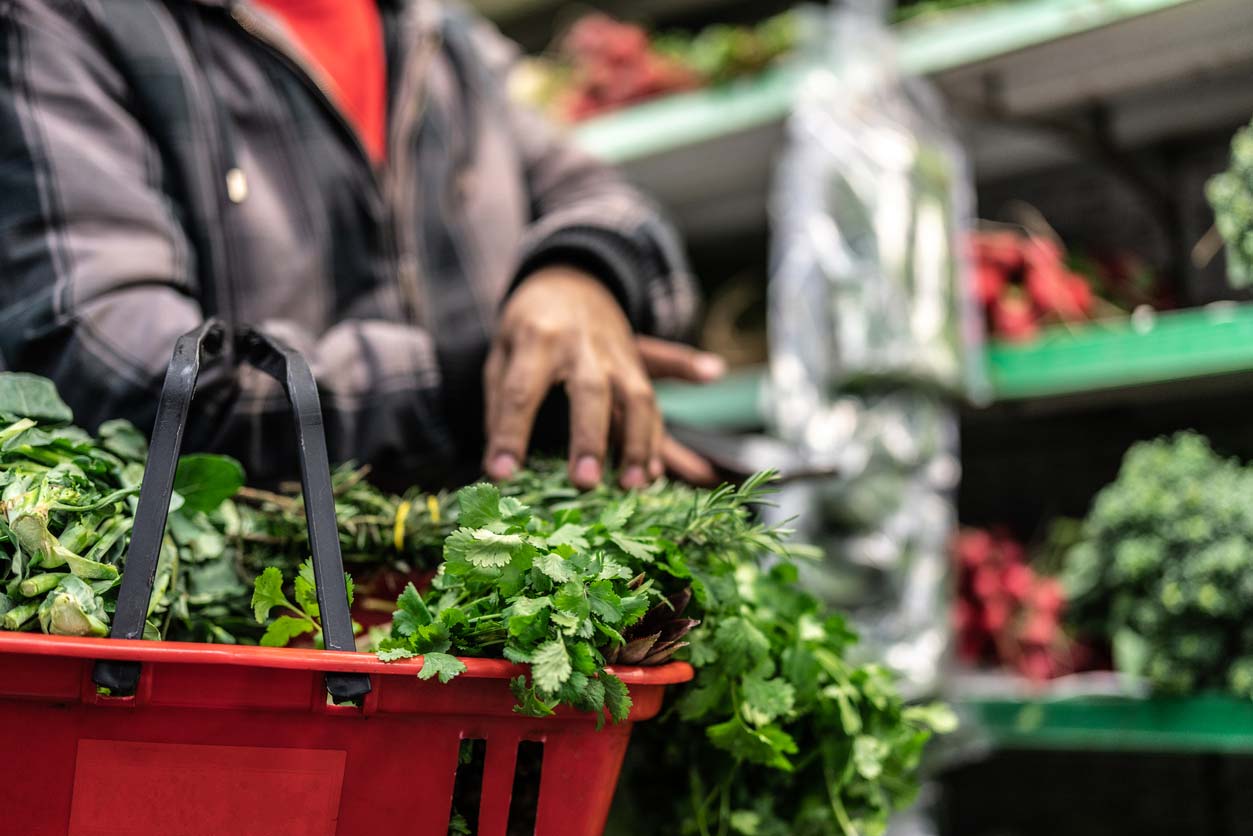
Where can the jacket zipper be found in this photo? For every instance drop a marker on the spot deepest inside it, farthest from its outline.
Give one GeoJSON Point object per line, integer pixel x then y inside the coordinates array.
{"type": "Point", "coordinates": [388, 182]}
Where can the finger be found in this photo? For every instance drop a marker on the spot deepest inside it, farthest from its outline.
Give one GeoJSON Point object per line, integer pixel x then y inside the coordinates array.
{"type": "Point", "coordinates": [493, 368]}
{"type": "Point", "coordinates": [686, 465]}
{"type": "Point", "coordinates": [591, 405]}
{"type": "Point", "coordinates": [516, 399]}
{"type": "Point", "coordinates": [639, 418]}
{"type": "Point", "coordinates": [663, 358]}
{"type": "Point", "coordinates": [657, 465]}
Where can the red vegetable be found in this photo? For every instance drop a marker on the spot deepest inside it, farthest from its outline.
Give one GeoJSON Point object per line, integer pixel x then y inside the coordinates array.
{"type": "Point", "coordinates": [1007, 614]}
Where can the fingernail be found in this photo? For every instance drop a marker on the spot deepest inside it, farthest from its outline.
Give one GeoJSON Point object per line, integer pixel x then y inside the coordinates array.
{"type": "Point", "coordinates": [709, 366]}
{"type": "Point", "coordinates": [586, 471]}
{"type": "Point", "coordinates": [655, 468]}
{"type": "Point", "coordinates": [633, 477]}
{"type": "Point", "coordinates": [503, 466]}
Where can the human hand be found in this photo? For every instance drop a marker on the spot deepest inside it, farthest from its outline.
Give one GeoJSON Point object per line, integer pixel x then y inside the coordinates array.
{"type": "Point", "coordinates": [664, 359]}
{"type": "Point", "coordinates": [562, 326]}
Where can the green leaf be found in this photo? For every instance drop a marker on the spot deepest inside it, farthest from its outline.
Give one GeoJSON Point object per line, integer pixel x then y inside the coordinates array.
{"type": "Point", "coordinates": [569, 535]}
{"type": "Point", "coordinates": [618, 514]}
{"type": "Point", "coordinates": [768, 746]}
{"type": "Point", "coordinates": [703, 699]}
{"type": "Point", "coordinates": [572, 598]}
{"type": "Point", "coordinates": [764, 700]}
{"type": "Point", "coordinates": [123, 440]}
{"type": "Point", "coordinates": [411, 603]}
{"type": "Point", "coordinates": [25, 395]}
{"type": "Point", "coordinates": [740, 644]}
{"type": "Point", "coordinates": [745, 822]}
{"type": "Point", "coordinates": [550, 665]}
{"type": "Point", "coordinates": [284, 629]}
{"type": "Point", "coordinates": [554, 566]}
{"type": "Point", "coordinates": [611, 569]}
{"type": "Point", "coordinates": [530, 606]}
{"type": "Point", "coordinates": [305, 590]}
{"type": "Point", "coordinates": [637, 547]}
{"type": "Point", "coordinates": [204, 480]}
{"type": "Point", "coordinates": [395, 654]}
{"type": "Point", "coordinates": [479, 505]}
{"type": "Point", "coordinates": [483, 548]}
{"type": "Point", "coordinates": [442, 665]}
{"type": "Point", "coordinates": [267, 593]}
{"type": "Point", "coordinates": [604, 602]}
{"type": "Point", "coordinates": [617, 698]}
{"type": "Point", "coordinates": [868, 755]}
{"type": "Point", "coordinates": [936, 717]}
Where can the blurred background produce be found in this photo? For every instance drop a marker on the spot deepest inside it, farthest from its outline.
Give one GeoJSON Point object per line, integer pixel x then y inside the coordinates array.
{"type": "Point", "coordinates": [1107, 152]}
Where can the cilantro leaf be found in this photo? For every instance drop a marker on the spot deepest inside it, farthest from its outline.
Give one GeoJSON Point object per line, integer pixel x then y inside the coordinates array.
{"type": "Point", "coordinates": [637, 547]}
{"type": "Point", "coordinates": [483, 548]}
{"type": "Point", "coordinates": [617, 699]}
{"type": "Point", "coordinates": [479, 505]}
{"type": "Point", "coordinates": [550, 665]}
{"type": "Point", "coordinates": [740, 644]}
{"type": "Point", "coordinates": [571, 535]}
{"type": "Point", "coordinates": [764, 700]}
{"type": "Point", "coordinates": [768, 746]}
{"type": "Point", "coordinates": [618, 514]}
{"type": "Point", "coordinates": [285, 628]}
{"type": "Point", "coordinates": [442, 665]}
{"type": "Point", "coordinates": [394, 654]}
{"type": "Point", "coordinates": [554, 566]}
{"type": "Point", "coordinates": [267, 593]}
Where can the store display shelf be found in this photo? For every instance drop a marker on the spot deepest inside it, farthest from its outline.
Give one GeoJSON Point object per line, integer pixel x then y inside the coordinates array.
{"type": "Point", "coordinates": [734, 403]}
{"type": "Point", "coordinates": [961, 40]}
{"type": "Point", "coordinates": [1155, 349]}
{"type": "Point", "coordinates": [1206, 723]}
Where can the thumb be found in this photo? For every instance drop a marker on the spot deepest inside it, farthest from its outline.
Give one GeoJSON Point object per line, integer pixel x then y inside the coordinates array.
{"type": "Point", "coordinates": [663, 358]}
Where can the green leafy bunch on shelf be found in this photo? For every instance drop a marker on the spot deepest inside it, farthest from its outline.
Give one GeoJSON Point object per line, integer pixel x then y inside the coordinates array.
{"type": "Point", "coordinates": [1231, 195]}
{"type": "Point", "coordinates": [1164, 568]}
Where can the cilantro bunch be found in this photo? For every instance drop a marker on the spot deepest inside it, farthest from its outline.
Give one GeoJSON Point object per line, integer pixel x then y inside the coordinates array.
{"type": "Point", "coordinates": [777, 734]}
{"type": "Point", "coordinates": [551, 591]}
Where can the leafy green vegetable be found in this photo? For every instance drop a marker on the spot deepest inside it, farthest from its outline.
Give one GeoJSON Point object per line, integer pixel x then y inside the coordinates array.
{"type": "Point", "coordinates": [778, 732]}
{"type": "Point", "coordinates": [1231, 196]}
{"type": "Point", "coordinates": [513, 585]}
{"type": "Point", "coordinates": [67, 504]}
{"type": "Point", "coordinates": [302, 617]}
{"type": "Point", "coordinates": [442, 665]}
{"type": "Point", "coordinates": [205, 481]}
{"type": "Point", "coordinates": [1164, 566]}
{"type": "Point", "coordinates": [33, 397]}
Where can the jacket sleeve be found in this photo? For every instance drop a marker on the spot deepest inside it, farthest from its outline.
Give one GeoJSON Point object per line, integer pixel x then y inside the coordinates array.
{"type": "Point", "coordinates": [583, 212]}
{"type": "Point", "coordinates": [98, 279]}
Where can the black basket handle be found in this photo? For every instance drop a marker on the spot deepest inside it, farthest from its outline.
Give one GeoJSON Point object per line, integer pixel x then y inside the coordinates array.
{"type": "Point", "coordinates": [286, 365]}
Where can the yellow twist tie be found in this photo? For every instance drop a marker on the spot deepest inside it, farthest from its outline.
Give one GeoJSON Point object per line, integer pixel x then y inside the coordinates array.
{"type": "Point", "coordinates": [398, 528]}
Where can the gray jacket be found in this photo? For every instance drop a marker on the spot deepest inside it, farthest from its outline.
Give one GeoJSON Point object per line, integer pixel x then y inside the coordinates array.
{"type": "Point", "coordinates": [166, 160]}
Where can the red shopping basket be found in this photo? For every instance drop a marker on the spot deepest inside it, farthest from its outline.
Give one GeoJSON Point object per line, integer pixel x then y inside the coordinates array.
{"type": "Point", "coordinates": [242, 741]}
{"type": "Point", "coordinates": [212, 740]}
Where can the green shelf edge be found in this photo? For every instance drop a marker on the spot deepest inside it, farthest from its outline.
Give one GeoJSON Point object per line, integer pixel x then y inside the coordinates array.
{"type": "Point", "coordinates": [1206, 723]}
{"type": "Point", "coordinates": [733, 403]}
{"type": "Point", "coordinates": [1169, 347]}
{"type": "Point", "coordinates": [925, 47]}
{"type": "Point", "coordinates": [1165, 348]}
